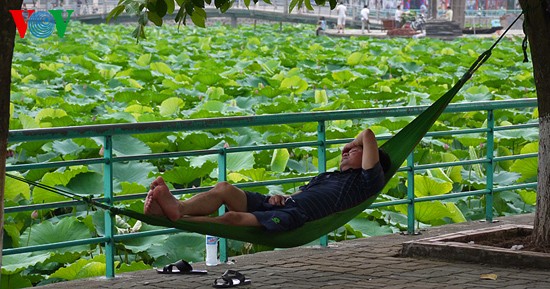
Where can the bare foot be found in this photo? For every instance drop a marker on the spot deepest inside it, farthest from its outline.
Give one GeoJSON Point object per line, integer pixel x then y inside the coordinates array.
{"type": "Point", "coordinates": [151, 207]}
{"type": "Point", "coordinates": [157, 182]}
{"type": "Point", "coordinates": [163, 199]}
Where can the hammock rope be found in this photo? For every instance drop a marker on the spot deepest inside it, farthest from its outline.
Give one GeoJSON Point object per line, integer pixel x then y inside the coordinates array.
{"type": "Point", "coordinates": [398, 148]}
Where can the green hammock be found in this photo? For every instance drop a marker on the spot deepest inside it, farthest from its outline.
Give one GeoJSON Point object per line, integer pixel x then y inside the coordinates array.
{"type": "Point", "coordinates": [398, 148]}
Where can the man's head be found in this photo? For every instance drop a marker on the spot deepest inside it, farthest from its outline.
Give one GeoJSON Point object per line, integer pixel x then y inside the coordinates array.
{"type": "Point", "coordinates": [353, 159]}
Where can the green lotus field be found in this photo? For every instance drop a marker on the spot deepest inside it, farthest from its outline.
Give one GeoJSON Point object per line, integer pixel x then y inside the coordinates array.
{"type": "Point", "coordinates": [101, 75]}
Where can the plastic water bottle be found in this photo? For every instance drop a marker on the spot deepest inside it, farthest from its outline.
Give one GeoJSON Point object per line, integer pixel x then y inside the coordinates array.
{"type": "Point", "coordinates": [211, 251]}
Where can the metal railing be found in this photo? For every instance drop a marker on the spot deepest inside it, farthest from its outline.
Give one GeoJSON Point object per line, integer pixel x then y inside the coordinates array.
{"type": "Point", "coordinates": [107, 132]}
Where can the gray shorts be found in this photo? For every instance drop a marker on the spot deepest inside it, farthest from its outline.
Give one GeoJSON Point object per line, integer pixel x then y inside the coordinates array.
{"type": "Point", "coordinates": [274, 218]}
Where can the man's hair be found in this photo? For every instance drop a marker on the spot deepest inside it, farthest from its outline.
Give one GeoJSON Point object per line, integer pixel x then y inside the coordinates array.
{"type": "Point", "coordinates": [385, 160]}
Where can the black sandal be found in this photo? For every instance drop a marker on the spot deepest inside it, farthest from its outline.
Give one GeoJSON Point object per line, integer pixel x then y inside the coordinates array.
{"type": "Point", "coordinates": [231, 278]}
{"type": "Point", "coordinates": [182, 267]}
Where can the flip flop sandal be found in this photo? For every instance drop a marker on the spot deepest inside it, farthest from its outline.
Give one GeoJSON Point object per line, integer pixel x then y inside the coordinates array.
{"type": "Point", "coordinates": [181, 267]}
{"type": "Point", "coordinates": [231, 278]}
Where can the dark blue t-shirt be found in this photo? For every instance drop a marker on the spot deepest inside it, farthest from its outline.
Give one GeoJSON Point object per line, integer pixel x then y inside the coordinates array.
{"type": "Point", "coordinates": [332, 192]}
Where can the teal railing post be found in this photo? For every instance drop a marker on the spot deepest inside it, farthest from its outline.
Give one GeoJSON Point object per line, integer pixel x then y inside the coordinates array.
{"type": "Point", "coordinates": [410, 194]}
{"type": "Point", "coordinates": [108, 195]}
{"type": "Point", "coordinates": [489, 168]}
{"type": "Point", "coordinates": [222, 177]}
{"type": "Point", "coordinates": [322, 165]}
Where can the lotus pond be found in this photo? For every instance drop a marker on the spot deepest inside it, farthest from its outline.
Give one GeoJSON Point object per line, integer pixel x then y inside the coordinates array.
{"type": "Point", "coordinates": [101, 75]}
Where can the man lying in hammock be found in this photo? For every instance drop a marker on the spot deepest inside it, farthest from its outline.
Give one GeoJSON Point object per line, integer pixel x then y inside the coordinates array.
{"type": "Point", "coordinates": [361, 176]}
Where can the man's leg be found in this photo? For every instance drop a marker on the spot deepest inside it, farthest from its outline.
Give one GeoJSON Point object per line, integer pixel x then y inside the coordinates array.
{"type": "Point", "coordinates": [159, 199]}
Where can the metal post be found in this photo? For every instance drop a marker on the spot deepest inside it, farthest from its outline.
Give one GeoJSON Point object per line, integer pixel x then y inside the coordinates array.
{"type": "Point", "coordinates": [109, 218]}
{"type": "Point", "coordinates": [222, 177]}
{"type": "Point", "coordinates": [322, 165]}
{"type": "Point", "coordinates": [489, 166]}
{"type": "Point", "coordinates": [410, 194]}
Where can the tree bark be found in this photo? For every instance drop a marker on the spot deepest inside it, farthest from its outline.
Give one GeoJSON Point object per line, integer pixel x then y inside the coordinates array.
{"type": "Point", "coordinates": [459, 12]}
{"type": "Point", "coordinates": [7, 42]}
{"type": "Point", "coordinates": [537, 20]}
{"type": "Point", "coordinates": [432, 10]}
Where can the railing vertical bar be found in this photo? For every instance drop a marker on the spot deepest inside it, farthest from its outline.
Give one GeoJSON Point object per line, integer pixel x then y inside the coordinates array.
{"type": "Point", "coordinates": [490, 166]}
{"type": "Point", "coordinates": [410, 194]}
{"type": "Point", "coordinates": [322, 165]}
{"type": "Point", "coordinates": [108, 194]}
{"type": "Point", "coordinates": [222, 177]}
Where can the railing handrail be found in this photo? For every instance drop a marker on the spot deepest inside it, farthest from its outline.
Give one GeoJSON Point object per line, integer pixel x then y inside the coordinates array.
{"type": "Point", "coordinates": [256, 120]}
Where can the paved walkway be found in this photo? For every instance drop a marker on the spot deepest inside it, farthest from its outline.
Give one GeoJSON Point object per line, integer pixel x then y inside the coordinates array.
{"type": "Point", "coordinates": [364, 263]}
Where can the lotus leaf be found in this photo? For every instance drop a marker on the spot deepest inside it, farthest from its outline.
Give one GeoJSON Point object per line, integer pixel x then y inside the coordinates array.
{"type": "Point", "coordinates": [82, 268]}
{"type": "Point", "coordinates": [55, 179]}
{"type": "Point", "coordinates": [14, 189]}
{"type": "Point", "coordinates": [369, 228]}
{"type": "Point", "coordinates": [187, 246]}
{"type": "Point", "coordinates": [279, 160]}
{"type": "Point", "coordinates": [528, 168]}
{"type": "Point", "coordinates": [161, 68]}
{"type": "Point", "coordinates": [134, 172]}
{"type": "Point", "coordinates": [186, 175]}
{"type": "Point", "coordinates": [295, 84]}
{"type": "Point", "coordinates": [134, 266]}
{"type": "Point", "coordinates": [429, 186]}
{"type": "Point", "coordinates": [529, 197]}
{"type": "Point", "coordinates": [357, 58]}
{"type": "Point", "coordinates": [170, 106]}
{"type": "Point", "coordinates": [428, 212]}
{"type": "Point", "coordinates": [14, 281]}
{"type": "Point", "coordinates": [66, 229]}
{"type": "Point", "coordinates": [454, 213]}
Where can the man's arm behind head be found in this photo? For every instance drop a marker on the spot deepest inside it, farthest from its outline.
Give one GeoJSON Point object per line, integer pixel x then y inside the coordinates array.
{"type": "Point", "coordinates": [370, 149]}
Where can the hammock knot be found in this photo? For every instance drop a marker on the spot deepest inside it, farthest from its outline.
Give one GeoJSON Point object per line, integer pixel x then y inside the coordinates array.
{"type": "Point", "coordinates": [88, 199]}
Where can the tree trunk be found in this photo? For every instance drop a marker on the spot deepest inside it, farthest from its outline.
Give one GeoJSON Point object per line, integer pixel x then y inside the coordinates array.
{"type": "Point", "coordinates": [7, 38]}
{"type": "Point", "coordinates": [538, 31]}
{"type": "Point", "coordinates": [459, 15]}
{"type": "Point", "coordinates": [432, 10]}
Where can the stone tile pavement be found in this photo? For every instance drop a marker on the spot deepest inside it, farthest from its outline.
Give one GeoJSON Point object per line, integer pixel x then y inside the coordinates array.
{"type": "Point", "coordinates": [365, 263]}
